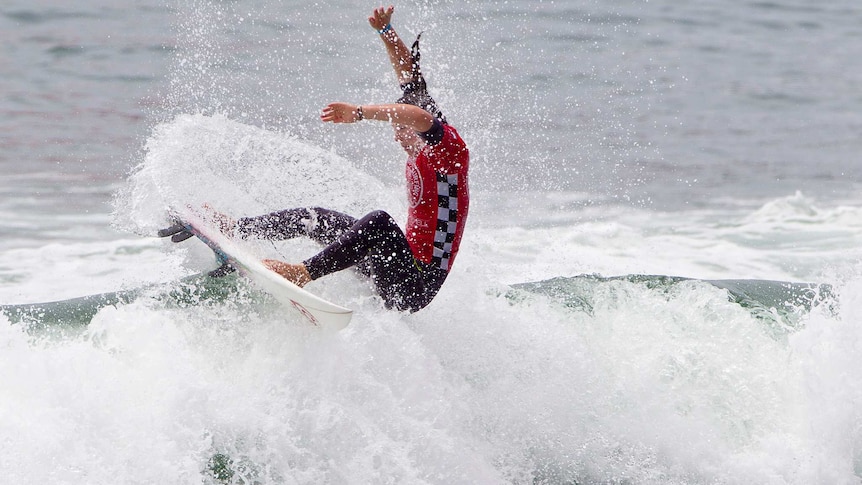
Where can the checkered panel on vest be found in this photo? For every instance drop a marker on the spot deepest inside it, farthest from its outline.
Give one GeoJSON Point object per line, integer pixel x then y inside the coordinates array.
{"type": "Point", "coordinates": [447, 219]}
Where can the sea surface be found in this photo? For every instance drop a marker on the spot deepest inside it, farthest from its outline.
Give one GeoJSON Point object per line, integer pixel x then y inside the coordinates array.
{"type": "Point", "coordinates": [631, 162]}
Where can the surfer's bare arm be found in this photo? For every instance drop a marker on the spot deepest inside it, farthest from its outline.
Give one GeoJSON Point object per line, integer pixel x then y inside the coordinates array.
{"type": "Point", "coordinates": [399, 54]}
{"type": "Point", "coordinates": [397, 113]}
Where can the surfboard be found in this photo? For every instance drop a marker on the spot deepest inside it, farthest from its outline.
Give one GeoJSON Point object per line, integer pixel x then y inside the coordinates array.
{"type": "Point", "coordinates": [315, 310]}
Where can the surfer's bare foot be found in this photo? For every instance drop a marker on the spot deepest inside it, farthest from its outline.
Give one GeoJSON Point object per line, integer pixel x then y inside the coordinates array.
{"type": "Point", "coordinates": [295, 273]}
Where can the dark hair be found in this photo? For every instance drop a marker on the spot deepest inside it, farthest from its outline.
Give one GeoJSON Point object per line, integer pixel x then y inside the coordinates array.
{"type": "Point", "coordinates": [415, 92]}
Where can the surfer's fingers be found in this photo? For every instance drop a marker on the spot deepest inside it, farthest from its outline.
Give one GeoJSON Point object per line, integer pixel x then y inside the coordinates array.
{"type": "Point", "coordinates": [380, 17]}
{"type": "Point", "coordinates": [334, 115]}
{"type": "Point", "coordinates": [374, 19]}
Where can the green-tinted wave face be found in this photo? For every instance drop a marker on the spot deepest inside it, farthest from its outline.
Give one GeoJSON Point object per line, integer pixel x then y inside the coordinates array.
{"type": "Point", "coordinates": [76, 312]}
{"type": "Point", "coordinates": [778, 304]}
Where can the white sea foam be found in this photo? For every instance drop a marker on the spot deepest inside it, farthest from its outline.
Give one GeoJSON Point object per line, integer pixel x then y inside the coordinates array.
{"type": "Point", "coordinates": [654, 386]}
{"type": "Point", "coordinates": [659, 137]}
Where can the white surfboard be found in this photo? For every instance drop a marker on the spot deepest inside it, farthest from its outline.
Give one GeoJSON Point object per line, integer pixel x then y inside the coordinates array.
{"type": "Point", "coordinates": [314, 309]}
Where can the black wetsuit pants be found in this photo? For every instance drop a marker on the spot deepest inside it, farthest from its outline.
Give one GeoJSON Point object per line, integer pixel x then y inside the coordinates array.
{"type": "Point", "coordinates": [374, 244]}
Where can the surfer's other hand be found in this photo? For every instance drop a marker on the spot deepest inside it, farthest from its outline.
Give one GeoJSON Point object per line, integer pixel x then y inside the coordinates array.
{"type": "Point", "coordinates": [295, 273]}
{"type": "Point", "coordinates": [381, 17]}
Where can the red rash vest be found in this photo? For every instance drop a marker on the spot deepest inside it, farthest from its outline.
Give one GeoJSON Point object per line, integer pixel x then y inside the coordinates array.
{"type": "Point", "coordinates": [439, 198]}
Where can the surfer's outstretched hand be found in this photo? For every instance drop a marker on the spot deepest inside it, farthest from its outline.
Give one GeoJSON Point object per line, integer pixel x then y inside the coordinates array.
{"type": "Point", "coordinates": [340, 113]}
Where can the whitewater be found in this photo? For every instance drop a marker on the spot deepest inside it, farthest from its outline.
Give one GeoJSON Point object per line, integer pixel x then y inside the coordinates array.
{"type": "Point", "coordinates": [611, 155]}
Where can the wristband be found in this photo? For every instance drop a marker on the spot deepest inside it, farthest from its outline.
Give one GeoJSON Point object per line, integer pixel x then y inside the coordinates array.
{"type": "Point", "coordinates": [385, 29]}
{"type": "Point", "coordinates": [359, 114]}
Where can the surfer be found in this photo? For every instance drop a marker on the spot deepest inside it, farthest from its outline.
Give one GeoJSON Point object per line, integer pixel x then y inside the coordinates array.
{"type": "Point", "coordinates": [407, 267]}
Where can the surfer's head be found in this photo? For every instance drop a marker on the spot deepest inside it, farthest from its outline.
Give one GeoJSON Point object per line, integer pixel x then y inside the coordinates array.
{"type": "Point", "coordinates": [415, 92]}
{"type": "Point", "coordinates": [407, 138]}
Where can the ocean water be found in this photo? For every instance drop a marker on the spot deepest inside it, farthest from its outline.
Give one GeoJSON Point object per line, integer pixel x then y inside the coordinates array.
{"type": "Point", "coordinates": [711, 142]}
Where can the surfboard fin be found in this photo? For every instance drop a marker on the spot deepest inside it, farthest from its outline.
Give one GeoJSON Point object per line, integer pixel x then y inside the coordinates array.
{"type": "Point", "coordinates": [181, 236]}
{"type": "Point", "coordinates": [223, 270]}
{"type": "Point", "coordinates": [178, 232]}
{"type": "Point", "coordinates": [170, 231]}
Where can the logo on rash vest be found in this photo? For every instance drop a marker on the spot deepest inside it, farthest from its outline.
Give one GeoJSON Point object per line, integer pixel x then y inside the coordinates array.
{"type": "Point", "coordinates": [414, 184]}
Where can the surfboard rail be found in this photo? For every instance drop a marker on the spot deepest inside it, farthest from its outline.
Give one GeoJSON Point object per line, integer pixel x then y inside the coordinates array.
{"type": "Point", "coordinates": [314, 309]}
